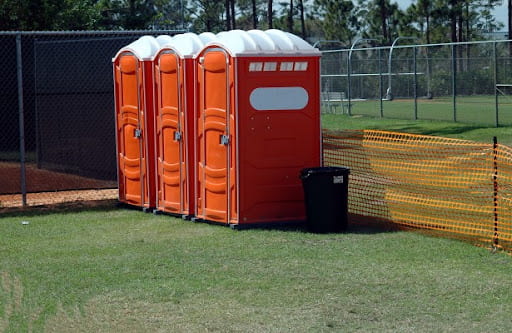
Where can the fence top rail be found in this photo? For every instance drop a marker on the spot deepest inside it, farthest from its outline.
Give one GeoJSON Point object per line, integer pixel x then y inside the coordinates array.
{"type": "Point", "coordinates": [88, 32]}
{"type": "Point", "coordinates": [387, 47]}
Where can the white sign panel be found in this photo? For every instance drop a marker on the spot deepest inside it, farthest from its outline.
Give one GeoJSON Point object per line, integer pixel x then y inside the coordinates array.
{"type": "Point", "coordinates": [279, 98]}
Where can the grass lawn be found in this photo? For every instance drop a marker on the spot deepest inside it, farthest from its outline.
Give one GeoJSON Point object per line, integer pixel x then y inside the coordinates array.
{"type": "Point", "coordinates": [112, 270]}
{"type": "Point", "coordinates": [469, 109]}
{"type": "Point", "coordinates": [479, 133]}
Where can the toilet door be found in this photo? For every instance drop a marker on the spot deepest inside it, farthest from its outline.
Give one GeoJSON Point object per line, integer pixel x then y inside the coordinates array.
{"type": "Point", "coordinates": [171, 167]}
{"type": "Point", "coordinates": [130, 146]}
{"type": "Point", "coordinates": [214, 137]}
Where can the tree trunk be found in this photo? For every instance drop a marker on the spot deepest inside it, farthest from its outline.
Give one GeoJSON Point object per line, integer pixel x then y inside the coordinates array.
{"type": "Point", "coordinates": [270, 14]}
{"type": "Point", "coordinates": [428, 27]}
{"type": "Point", "coordinates": [383, 18]}
{"type": "Point", "coordinates": [233, 16]}
{"type": "Point", "coordinates": [228, 15]}
{"type": "Point", "coordinates": [302, 20]}
{"type": "Point", "coordinates": [460, 36]}
{"type": "Point", "coordinates": [453, 21]}
{"type": "Point", "coordinates": [254, 15]}
{"type": "Point", "coordinates": [290, 17]}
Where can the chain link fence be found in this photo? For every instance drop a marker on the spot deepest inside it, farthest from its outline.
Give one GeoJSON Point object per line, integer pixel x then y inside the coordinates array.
{"type": "Point", "coordinates": [465, 82]}
{"type": "Point", "coordinates": [57, 115]}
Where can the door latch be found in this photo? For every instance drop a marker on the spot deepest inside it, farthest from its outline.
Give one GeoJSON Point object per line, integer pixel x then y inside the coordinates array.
{"type": "Point", "coordinates": [224, 140]}
{"type": "Point", "coordinates": [137, 133]}
{"type": "Point", "coordinates": [177, 136]}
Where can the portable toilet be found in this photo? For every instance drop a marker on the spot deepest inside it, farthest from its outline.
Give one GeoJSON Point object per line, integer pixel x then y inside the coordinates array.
{"type": "Point", "coordinates": [257, 126]}
{"type": "Point", "coordinates": [175, 77]}
{"type": "Point", "coordinates": [133, 91]}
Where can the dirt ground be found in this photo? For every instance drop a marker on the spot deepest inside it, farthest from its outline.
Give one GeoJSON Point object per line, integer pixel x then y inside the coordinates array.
{"type": "Point", "coordinates": [45, 187]}
{"type": "Point", "coordinates": [59, 197]}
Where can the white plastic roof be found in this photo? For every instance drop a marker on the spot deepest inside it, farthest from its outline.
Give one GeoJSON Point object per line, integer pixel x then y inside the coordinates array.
{"type": "Point", "coordinates": [258, 42]}
{"type": "Point", "coordinates": [143, 48]}
{"type": "Point", "coordinates": [236, 42]}
{"type": "Point", "coordinates": [186, 45]}
{"type": "Point", "coordinates": [163, 39]}
{"type": "Point", "coordinates": [207, 37]}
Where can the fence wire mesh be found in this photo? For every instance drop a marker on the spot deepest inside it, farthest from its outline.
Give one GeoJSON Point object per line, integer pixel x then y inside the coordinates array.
{"type": "Point", "coordinates": [68, 136]}
{"type": "Point", "coordinates": [455, 187]}
{"type": "Point", "coordinates": [466, 82]}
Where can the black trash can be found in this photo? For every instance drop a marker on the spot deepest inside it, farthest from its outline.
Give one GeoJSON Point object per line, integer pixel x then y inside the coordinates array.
{"type": "Point", "coordinates": [326, 198]}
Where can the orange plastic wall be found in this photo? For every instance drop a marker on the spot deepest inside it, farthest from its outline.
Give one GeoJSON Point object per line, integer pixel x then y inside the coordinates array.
{"type": "Point", "coordinates": [214, 119]}
{"type": "Point", "coordinates": [274, 145]}
{"type": "Point", "coordinates": [255, 178]}
{"type": "Point", "coordinates": [174, 105]}
{"type": "Point", "coordinates": [134, 111]}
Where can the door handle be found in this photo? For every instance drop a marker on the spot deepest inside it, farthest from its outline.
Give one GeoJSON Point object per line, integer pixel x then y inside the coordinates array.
{"type": "Point", "coordinates": [224, 139]}
{"type": "Point", "coordinates": [177, 136]}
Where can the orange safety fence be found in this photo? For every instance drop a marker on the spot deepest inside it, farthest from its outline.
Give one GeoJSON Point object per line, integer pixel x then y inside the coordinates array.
{"type": "Point", "coordinates": [457, 188]}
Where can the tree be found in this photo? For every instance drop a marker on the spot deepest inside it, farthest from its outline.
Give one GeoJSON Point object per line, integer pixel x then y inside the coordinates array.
{"type": "Point", "coordinates": [254, 14]}
{"type": "Point", "coordinates": [338, 19]}
{"type": "Point", "coordinates": [128, 14]}
{"type": "Point", "coordinates": [207, 15]}
{"type": "Point", "coordinates": [383, 13]}
{"type": "Point", "coordinates": [421, 13]}
{"type": "Point", "coordinates": [302, 19]}
{"type": "Point", "coordinates": [49, 15]}
{"type": "Point", "coordinates": [233, 14]}
{"type": "Point", "coordinates": [379, 18]}
{"type": "Point", "coordinates": [9, 15]}
{"type": "Point", "coordinates": [168, 14]}
{"type": "Point", "coordinates": [270, 14]}
{"type": "Point", "coordinates": [481, 18]}
{"type": "Point", "coordinates": [290, 17]}
{"type": "Point", "coordinates": [228, 15]}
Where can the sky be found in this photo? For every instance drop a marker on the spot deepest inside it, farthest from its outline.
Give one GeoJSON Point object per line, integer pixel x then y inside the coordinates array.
{"type": "Point", "coordinates": [500, 12]}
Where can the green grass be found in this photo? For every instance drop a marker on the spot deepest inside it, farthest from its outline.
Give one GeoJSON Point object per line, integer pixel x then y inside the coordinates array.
{"type": "Point", "coordinates": [117, 270]}
{"type": "Point", "coordinates": [469, 109]}
{"type": "Point", "coordinates": [479, 133]}
{"type": "Point", "coordinates": [111, 270]}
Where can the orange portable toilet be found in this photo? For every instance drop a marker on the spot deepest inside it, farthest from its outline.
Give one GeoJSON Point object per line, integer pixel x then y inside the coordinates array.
{"type": "Point", "coordinates": [174, 79]}
{"type": "Point", "coordinates": [257, 124]}
{"type": "Point", "coordinates": [133, 91]}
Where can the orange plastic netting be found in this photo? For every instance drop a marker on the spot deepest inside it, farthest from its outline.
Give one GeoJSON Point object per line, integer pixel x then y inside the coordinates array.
{"type": "Point", "coordinates": [458, 188]}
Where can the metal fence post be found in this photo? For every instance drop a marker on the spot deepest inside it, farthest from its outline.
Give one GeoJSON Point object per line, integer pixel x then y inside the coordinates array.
{"type": "Point", "coordinates": [415, 84]}
{"type": "Point", "coordinates": [19, 68]}
{"type": "Point", "coordinates": [454, 82]}
{"type": "Point", "coordinates": [495, 187]}
{"type": "Point", "coordinates": [380, 84]}
{"type": "Point", "coordinates": [495, 59]}
{"type": "Point", "coordinates": [349, 87]}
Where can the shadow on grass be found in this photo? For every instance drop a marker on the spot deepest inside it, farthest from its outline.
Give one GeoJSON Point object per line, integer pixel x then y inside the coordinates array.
{"type": "Point", "coordinates": [356, 225]}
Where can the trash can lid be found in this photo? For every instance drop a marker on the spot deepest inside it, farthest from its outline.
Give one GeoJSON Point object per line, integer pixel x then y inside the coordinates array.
{"type": "Point", "coordinates": [324, 170]}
